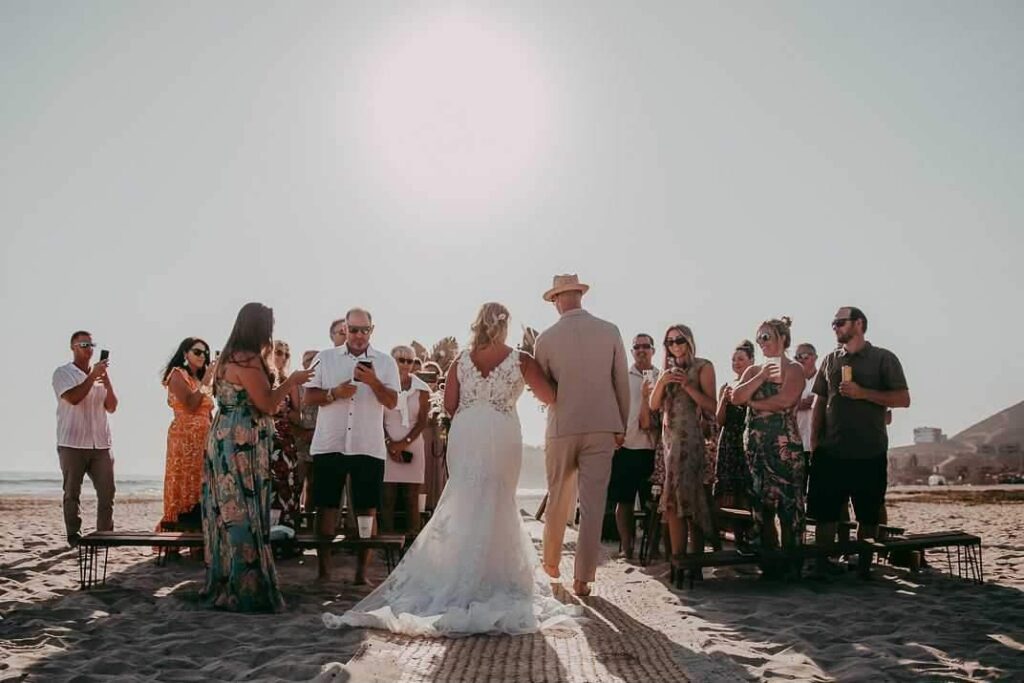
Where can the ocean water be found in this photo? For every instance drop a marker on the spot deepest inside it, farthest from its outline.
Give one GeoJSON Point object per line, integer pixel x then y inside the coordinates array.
{"type": "Point", "coordinates": [51, 484]}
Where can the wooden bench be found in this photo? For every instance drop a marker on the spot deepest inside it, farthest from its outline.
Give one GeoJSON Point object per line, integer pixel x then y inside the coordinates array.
{"type": "Point", "coordinates": [969, 560]}
{"type": "Point", "coordinates": [391, 545]}
{"type": "Point", "coordinates": [89, 546]}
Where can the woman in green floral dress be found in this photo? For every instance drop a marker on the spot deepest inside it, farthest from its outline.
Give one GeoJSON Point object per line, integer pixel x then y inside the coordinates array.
{"type": "Point", "coordinates": [772, 441]}
{"type": "Point", "coordinates": [240, 573]}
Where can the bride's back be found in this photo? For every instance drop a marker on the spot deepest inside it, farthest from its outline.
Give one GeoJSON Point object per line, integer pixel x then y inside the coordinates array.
{"type": "Point", "coordinates": [498, 384]}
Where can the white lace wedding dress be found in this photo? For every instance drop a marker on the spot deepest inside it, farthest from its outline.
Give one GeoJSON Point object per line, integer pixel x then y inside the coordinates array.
{"type": "Point", "coordinates": [473, 568]}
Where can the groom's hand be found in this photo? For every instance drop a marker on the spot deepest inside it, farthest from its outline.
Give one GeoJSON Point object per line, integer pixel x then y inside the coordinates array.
{"type": "Point", "coordinates": [619, 440]}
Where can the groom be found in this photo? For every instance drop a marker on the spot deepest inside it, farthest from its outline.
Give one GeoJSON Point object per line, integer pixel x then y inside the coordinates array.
{"type": "Point", "coordinates": [585, 358]}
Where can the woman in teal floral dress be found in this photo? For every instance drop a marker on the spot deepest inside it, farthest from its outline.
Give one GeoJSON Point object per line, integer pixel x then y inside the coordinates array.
{"type": "Point", "coordinates": [685, 393]}
{"type": "Point", "coordinates": [772, 441]}
{"type": "Point", "coordinates": [240, 573]}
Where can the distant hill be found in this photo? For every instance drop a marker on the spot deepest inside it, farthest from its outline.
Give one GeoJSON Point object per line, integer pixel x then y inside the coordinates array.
{"type": "Point", "coordinates": [977, 455]}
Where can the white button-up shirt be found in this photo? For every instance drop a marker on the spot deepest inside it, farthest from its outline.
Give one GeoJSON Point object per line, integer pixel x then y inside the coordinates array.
{"type": "Point", "coordinates": [353, 426]}
{"type": "Point", "coordinates": [636, 438]}
{"type": "Point", "coordinates": [84, 425]}
{"type": "Point", "coordinates": [803, 417]}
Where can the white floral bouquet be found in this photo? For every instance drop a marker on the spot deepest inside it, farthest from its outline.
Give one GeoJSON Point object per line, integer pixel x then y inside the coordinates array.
{"type": "Point", "coordinates": [439, 415]}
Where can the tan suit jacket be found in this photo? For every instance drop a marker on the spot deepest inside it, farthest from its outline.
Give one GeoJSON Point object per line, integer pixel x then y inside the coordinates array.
{"type": "Point", "coordinates": [584, 356]}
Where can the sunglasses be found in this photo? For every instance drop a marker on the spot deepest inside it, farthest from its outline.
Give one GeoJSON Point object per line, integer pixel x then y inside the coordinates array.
{"type": "Point", "coordinates": [642, 347]}
{"type": "Point", "coordinates": [359, 329]}
{"type": "Point", "coordinates": [839, 322]}
{"type": "Point", "coordinates": [85, 345]}
{"type": "Point", "coordinates": [764, 338]}
{"type": "Point", "coordinates": [676, 341]}
{"type": "Point", "coordinates": [286, 354]}
{"type": "Point", "coordinates": [804, 356]}
{"type": "Point", "coordinates": [405, 361]}
{"type": "Point", "coordinates": [199, 352]}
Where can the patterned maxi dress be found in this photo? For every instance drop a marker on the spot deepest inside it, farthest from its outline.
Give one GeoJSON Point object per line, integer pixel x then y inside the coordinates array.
{"type": "Point", "coordinates": [733, 471]}
{"type": "Point", "coordinates": [284, 462]}
{"type": "Point", "coordinates": [183, 471]}
{"type": "Point", "coordinates": [240, 572]}
{"type": "Point", "coordinates": [775, 457]}
{"type": "Point", "coordinates": [685, 452]}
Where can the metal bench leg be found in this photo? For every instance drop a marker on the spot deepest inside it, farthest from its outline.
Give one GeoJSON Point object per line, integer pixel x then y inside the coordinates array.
{"type": "Point", "coordinates": [106, 553]}
{"type": "Point", "coordinates": [81, 566]}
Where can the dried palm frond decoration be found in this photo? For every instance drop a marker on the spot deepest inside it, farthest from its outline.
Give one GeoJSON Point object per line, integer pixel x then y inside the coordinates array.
{"type": "Point", "coordinates": [529, 343]}
{"type": "Point", "coordinates": [420, 350]}
{"type": "Point", "coordinates": [444, 352]}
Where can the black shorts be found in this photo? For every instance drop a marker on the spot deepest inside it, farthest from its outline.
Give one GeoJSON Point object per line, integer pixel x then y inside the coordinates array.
{"type": "Point", "coordinates": [631, 476]}
{"type": "Point", "coordinates": [330, 471]}
{"type": "Point", "coordinates": [836, 480]}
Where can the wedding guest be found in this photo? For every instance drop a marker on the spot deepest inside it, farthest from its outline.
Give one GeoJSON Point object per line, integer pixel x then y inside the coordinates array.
{"type": "Point", "coordinates": [732, 485]}
{"type": "Point", "coordinates": [304, 437]}
{"type": "Point", "coordinates": [807, 357]}
{"type": "Point", "coordinates": [849, 434]}
{"type": "Point", "coordinates": [188, 379]}
{"type": "Point", "coordinates": [633, 462]}
{"type": "Point", "coordinates": [240, 572]}
{"type": "Point", "coordinates": [284, 457]}
{"type": "Point", "coordinates": [685, 393]}
{"type": "Point", "coordinates": [403, 429]}
{"type": "Point", "coordinates": [435, 474]}
{"type": "Point", "coordinates": [85, 396]}
{"type": "Point", "coordinates": [339, 332]}
{"type": "Point", "coordinates": [352, 385]}
{"type": "Point", "coordinates": [772, 442]}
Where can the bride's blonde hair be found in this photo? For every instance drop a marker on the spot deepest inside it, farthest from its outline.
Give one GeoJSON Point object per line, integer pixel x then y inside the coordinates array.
{"type": "Point", "coordinates": [491, 324]}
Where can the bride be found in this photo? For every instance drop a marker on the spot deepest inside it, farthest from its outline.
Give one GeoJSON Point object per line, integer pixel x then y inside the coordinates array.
{"type": "Point", "coordinates": [473, 568]}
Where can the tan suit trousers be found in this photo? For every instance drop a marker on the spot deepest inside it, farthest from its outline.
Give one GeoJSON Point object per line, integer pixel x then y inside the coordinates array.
{"type": "Point", "coordinates": [586, 459]}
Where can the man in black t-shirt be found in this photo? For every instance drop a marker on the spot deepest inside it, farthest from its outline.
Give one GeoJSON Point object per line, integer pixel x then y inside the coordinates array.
{"type": "Point", "coordinates": [856, 384]}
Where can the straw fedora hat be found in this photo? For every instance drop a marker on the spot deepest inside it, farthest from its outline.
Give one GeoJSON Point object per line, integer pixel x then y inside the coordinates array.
{"type": "Point", "coordinates": [565, 283]}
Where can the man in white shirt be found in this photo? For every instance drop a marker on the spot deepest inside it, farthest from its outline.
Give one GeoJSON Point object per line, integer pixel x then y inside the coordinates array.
{"type": "Point", "coordinates": [633, 462]}
{"type": "Point", "coordinates": [352, 386]}
{"type": "Point", "coordinates": [84, 397]}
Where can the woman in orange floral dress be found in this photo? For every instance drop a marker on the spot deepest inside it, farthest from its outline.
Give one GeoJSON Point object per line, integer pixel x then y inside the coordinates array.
{"type": "Point", "coordinates": [188, 379]}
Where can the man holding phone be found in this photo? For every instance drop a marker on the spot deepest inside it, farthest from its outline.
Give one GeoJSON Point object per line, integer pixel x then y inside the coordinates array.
{"type": "Point", "coordinates": [84, 397]}
{"type": "Point", "coordinates": [352, 386]}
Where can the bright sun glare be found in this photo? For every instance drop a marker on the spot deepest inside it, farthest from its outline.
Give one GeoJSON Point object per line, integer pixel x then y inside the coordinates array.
{"type": "Point", "coordinates": [459, 111]}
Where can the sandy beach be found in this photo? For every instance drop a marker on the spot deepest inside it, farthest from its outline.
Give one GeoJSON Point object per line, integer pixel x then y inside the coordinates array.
{"type": "Point", "coordinates": [146, 622]}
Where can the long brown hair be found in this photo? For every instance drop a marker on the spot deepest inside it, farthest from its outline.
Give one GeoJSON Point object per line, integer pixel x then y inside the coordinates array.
{"type": "Point", "coordinates": [252, 334]}
{"type": "Point", "coordinates": [670, 360]}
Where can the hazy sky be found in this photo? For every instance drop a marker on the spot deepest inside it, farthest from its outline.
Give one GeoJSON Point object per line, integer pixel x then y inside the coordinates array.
{"type": "Point", "coordinates": [714, 164]}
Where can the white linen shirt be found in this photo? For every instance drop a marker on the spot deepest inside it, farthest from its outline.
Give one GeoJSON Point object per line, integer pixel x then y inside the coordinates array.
{"type": "Point", "coordinates": [84, 425]}
{"type": "Point", "coordinates": [803, 417]}
{"type": "Point", "coordinates": [636, 438]}
{"type": "Point", "coordinates": [353, 426]}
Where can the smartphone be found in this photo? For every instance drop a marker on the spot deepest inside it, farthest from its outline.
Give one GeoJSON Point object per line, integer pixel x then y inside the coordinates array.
{"type": "Point", "coordinates": [104, 355]}
{"type": "Point", "coordinates": [366, 364]}
{"type": "Point", "coordinates": [428, 377]}
{"type": "Point", "coordinates": [315, 363]}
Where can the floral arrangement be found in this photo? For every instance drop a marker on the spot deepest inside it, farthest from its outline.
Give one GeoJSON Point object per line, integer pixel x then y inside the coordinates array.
{"type": "Point", "coordinates": [439, 416]}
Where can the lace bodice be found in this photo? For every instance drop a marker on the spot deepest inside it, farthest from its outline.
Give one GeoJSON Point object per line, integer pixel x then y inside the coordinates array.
{"type": "Point", "coordinates": [500, 389]}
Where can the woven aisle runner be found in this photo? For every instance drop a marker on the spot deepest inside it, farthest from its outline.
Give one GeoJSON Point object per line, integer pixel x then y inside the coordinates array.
{"type": "Point", "coordinates": [614, 645]}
